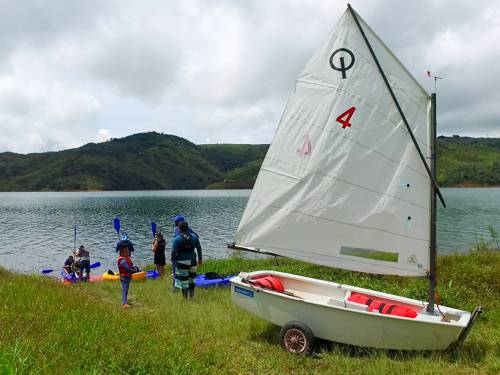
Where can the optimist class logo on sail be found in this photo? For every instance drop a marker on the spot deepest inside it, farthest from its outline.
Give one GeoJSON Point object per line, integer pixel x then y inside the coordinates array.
{"type": "Point", "coordinates": [342, 68]}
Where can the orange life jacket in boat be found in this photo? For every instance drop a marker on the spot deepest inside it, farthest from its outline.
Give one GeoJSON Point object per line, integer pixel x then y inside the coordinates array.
{"type": "Point", "coordinates": [268, 282]}
{"type": "Point", "coordinates": [383, 307]}
{"type": "Point", "coordinates": [120, 268]}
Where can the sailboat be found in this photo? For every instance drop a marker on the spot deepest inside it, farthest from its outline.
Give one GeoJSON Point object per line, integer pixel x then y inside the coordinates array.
{"type": "Point", "coordinates": [346, 184]}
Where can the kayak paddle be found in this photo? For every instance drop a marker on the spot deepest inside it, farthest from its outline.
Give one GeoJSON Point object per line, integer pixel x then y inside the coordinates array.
{"type": "Point", "coordinates": [116, 223]}
{"type": "Point", "coordinates": [74, 238]}
{"type": "Point", "coordinates": [153, 228]}
{"type": "Point", "coordinates": [93, 265]}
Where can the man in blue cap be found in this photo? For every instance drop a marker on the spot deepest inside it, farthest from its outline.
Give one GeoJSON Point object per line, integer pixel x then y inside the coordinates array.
{"type": "Point", "coordinates": [177, 220]}
{"type": "Point", "coordinates": [125, 241]}
{"type": "Point", "coordinates": [186, 251]}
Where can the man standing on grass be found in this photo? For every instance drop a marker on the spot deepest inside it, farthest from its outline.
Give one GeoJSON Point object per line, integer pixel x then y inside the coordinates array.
{"type": "Point", "coordinates": [84, 255]}
{"type": "Point", "coordinates": [177, 220]}
{"type": "Point", "coordinates": [184, 255]}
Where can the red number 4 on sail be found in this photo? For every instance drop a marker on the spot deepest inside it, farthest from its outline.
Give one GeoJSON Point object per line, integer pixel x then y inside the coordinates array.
{"type": "Point", "coordinates": [345, 117]}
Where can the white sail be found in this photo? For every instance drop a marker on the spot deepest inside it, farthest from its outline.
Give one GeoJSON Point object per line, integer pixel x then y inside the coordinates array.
{"type": "Point", "coordinates": [342, 184]}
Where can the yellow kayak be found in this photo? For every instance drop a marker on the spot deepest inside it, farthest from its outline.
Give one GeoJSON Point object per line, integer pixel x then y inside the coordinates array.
{"type": "Point", "coordinates": [135, 276]}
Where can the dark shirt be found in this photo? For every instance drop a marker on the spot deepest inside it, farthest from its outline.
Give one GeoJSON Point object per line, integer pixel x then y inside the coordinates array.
{"type": "Point", "coordinates": [128, 243]}
{"type": "Point", "coordinates": [161, 244]}
{"type": "Point", "coordinates": [184, 248]}
{"type": "Point", "coordinates": [67, 264]}
{"type": "Point", "coordinates": [84, 254]}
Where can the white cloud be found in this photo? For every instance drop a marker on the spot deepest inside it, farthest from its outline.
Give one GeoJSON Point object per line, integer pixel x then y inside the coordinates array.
{"type": "Point", "coordinates": [103, 135]}
{"type": "Point", "coordinates": [220, 70]}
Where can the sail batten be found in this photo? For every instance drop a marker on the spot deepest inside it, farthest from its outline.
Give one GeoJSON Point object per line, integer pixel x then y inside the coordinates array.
{"type": "Point", "coordinates": [342, 184]}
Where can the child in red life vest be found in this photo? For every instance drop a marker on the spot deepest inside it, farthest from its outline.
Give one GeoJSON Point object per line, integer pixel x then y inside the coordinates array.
{"type": "Point", "coordinates": [126, 268]}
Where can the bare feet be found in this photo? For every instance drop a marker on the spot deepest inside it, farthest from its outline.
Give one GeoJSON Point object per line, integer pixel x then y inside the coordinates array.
{"type": "Point", "coordinates": [126, 306]}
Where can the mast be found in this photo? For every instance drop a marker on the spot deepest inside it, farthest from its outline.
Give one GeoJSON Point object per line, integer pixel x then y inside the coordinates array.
{"type": "Point", "coordinates": [432, 246]}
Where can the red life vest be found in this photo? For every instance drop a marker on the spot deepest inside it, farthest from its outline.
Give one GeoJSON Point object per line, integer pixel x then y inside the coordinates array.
{"type": "Point", "coordinates": [383, 307]}
{"type": "Point", "coordinates": [123, 272]}
{"type": "Point", "coordinates": [268, 282]}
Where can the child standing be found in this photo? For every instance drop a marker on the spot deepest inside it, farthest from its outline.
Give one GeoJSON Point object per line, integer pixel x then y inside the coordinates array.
{"type": "Point", "coordinates": [158, 248]}
{"type": "Point", "coordinates": [126, 268]}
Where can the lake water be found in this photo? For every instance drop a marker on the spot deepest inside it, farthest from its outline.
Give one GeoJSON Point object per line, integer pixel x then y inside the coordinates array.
{"type": "Point", "coordinates": [36, 229]}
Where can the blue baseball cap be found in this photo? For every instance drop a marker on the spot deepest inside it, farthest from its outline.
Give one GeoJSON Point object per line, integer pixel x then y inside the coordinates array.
{"type": "Point", "coordinates": [179, 218]}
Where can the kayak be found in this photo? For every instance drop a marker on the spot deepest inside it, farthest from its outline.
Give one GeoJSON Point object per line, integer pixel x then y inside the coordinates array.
{"type": "Point", "coordinates": [203, 281]}
{"type": "Point", "coordinates": [72, 278]}
{"type": "Point", "coordinates": [135, 276]}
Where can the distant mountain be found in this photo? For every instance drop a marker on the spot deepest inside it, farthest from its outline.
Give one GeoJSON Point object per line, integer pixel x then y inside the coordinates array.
{"type": "Point", "coordinates": [158, 161]}
{"type": "Point", "coordinates": [140, 161]}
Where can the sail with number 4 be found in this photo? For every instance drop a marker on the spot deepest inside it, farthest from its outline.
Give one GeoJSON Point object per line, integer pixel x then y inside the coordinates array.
{"type": "Point", "coordinates": [343, 184]}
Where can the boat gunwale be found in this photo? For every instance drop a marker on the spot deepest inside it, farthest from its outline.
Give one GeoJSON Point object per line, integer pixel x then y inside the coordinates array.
{"type": "Point", "coordinates": [461, 323]}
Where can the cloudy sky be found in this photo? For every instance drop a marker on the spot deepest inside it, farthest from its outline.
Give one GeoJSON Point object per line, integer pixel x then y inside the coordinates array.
{"type": "Point", "coordinates": [78, 71]}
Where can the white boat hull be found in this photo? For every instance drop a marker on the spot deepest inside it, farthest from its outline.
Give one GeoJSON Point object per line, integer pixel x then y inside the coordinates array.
{"type": "Point", "coordinates": [323, 306]}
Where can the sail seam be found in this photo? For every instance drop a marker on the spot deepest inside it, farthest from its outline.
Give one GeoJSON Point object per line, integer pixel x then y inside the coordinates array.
{"type": "Point", "coordinates": [372, 190]}
{"type": "Point", "coordinates": [369, 62]}
{"type": "Point", "coordinates": [319, 83]}
{"type": "Point", "coordinates": [400, 90]}
{"type": "Point", "coordinates": [333, 131]}
{"type": "Point", "coordinates": [280, 173]}
{"type": "Point", "coordinates": [367, 104]}
{"type": "Point", "coordinates": [346, 182]}
{"type": "Point", "coordinates": [338, 221]}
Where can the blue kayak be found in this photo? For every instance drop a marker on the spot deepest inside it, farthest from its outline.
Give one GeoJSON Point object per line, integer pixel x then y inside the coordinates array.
{"type": "Point", "coordinates": [200, 280]}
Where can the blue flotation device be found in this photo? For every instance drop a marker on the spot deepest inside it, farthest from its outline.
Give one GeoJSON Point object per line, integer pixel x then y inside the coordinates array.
{"type": "Point", "coordinates": [152, 274]}
{"type": "Point", "coordinates": [201, 280]}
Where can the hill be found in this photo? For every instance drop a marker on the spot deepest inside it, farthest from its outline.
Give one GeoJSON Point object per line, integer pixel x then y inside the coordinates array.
{"type": "Point", "coordinates": [465, 161]}
{"type": "Point", "coordinates": [140, 161]}
{"type": "Point", "coordinates": [148, 161]}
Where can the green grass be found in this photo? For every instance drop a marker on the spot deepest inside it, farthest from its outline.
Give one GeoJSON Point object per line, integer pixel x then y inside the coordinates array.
{"type": "Point", "coordinates": [52, 329]}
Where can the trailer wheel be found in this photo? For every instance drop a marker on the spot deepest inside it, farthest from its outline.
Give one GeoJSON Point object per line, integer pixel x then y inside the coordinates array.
{"type": "Point", "coordinates": [297, 338]}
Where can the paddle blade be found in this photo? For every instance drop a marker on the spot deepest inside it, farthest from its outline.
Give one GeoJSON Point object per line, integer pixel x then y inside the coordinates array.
{"type": "Point", "coordinates": [116, 223]}
{"type": "Point", "coordinates": [74, 233]}
{"type": "Point", "coordinates": [153, 228]}
{"type": "Point", "coordinates": [47, 271]}
{"type": "Point", "coordinates": [95, 265]}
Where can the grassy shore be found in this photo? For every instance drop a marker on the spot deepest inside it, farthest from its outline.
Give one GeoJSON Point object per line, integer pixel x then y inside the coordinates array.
{"type": "Point", "coordinates": [53, 329]}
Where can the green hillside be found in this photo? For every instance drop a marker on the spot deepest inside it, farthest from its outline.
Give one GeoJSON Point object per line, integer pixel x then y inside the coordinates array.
{"type": "Point", "coordinates": [228, 157]}
{"type": "Point", "coordinates": [140, 161]}
{"type": "Point", "coordinates": [464, 161]}
{"type": "Point", "coordinates": [159, 161]}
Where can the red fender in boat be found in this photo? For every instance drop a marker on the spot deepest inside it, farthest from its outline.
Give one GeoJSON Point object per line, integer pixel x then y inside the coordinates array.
{"type": "Point", "coordinates": [268, 282]}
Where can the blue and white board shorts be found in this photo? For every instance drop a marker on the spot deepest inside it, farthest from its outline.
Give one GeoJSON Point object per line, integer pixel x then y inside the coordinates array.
{"type": "Point", "coordinates": [185, 273]}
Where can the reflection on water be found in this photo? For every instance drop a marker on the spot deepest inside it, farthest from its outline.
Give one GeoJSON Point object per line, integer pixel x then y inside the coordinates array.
{"type": "Point", "coordinates": [36, 229]}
